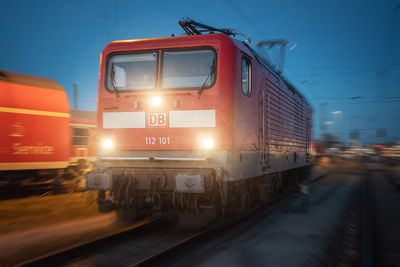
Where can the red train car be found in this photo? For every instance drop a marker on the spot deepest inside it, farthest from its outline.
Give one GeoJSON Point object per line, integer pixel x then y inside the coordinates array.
{"type": "Point", "coordinates": [195, 123]}
{"type": "Point", "coordinates": [38, 132]}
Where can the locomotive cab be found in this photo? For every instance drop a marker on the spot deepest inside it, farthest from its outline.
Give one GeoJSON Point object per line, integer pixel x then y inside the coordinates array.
{"type": "Point", "coordinates": [165, 121]}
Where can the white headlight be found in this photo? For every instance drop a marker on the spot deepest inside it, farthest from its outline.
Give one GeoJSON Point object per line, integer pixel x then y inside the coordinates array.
{"type": "Point", "coordinates": [208, 143]}
{"type": "Point", "coordinates": [107, 143]}
{"type": "Point", "coordinates": [156, 101]}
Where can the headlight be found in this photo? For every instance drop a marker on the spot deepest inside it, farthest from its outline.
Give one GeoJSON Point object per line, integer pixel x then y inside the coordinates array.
{"type": "Point", "coordinates": [156, 101]}
{"type": "Point", "coordinates": [208, 143]}
{"type": "Point", "coordinates": [107, 144]}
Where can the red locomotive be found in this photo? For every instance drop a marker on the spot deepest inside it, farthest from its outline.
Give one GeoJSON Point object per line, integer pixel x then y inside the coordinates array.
{"type": "Point", "coordinates": [196, 124]}
{"type": "Point", "coordinates": [38, 132]}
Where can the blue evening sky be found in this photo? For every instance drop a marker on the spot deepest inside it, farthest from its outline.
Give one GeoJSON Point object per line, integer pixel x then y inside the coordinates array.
{"type": "Point", "coordinates": [345, 48]}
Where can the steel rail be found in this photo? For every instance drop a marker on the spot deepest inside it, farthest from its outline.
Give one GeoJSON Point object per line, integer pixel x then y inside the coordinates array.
{"type": "Point", "coordinates": [86, 248]}
{"type": "Point", "coordinates": [367, 222]}
{"type": "Point", "coordinates": [66, 254]}
{"type": "Point", "coordinates": [17, 192]}
{"type": "Point", "coordinates": [218, 229]}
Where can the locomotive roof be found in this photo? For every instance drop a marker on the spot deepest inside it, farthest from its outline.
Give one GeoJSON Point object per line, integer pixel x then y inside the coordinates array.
{"type": "Point", "coordinates": [194, 28]}
{"type": "Point", "coordinates": [181, 39]}
{"type": "Point", "coordinates": [267, 65]}
{"type": "Point", "coordinates": [25, 79]}
{"type": "Point", "coordinates": [263, 62]}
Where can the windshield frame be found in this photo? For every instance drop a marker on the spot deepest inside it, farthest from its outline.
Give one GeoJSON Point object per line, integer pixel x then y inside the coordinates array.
{"type": "Point", "coordinates": [159, 69]}
{"type": "Point", "coordinates": [107, 74]}
{"type": "Point", "coordinates": [214, 78]}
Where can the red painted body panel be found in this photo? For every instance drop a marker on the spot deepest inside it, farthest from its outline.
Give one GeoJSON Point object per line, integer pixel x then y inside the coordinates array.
{"type": "Point", "coordinates": [34, 122]}
{"type": "Point", "coordinates": [286, 115]}
{"type": "Point", "coordinates": [36, 142]}
{"type": "Point", "coordinates": [23, 96]}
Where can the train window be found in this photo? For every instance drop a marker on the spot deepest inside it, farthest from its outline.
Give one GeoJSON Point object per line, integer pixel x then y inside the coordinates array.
{"type": "Point", "coordinates": [246, 76]}
{"type": "Point", "coordinates": [132, 71]}
{"type": "Point", "coordinates": [80, 136]}
{"type": "Point", "coordinates": [188, 69]}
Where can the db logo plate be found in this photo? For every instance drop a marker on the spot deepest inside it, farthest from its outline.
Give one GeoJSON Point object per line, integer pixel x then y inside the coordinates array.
{"type": "Point", "coordinates": [157, 119]}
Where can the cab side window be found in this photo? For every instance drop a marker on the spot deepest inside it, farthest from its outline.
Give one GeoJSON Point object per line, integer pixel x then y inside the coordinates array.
{"type": "Point", "coordinates": [246, 76]}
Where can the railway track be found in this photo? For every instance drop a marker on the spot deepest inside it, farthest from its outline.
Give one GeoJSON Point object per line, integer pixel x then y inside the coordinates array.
{"type": "Point", "coordinates": [386, 218]}
{"type": "Point", "coordinates": [146, 245]}
{"type": "Point", "coordinates": [367, 222]}
{"type": "Point", "coordinates": [22, 191]}
{"type": "Point", "coordinates": [143, 245]}
{"type": "Point", "coordinates": [210, 242]}
{"type": "Point", "coordinates": [380, 229]}
{"type": "Point", "coordinates": [370, 233]}
{"type": "Point", "coordinates": [63, 256]}
{"type": "Point", "coordinates": [184, 244]}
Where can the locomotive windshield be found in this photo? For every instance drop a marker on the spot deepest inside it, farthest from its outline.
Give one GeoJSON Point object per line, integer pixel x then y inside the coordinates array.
{"type": "Point", "coordinates": [183, 69]}
{"type": "Point", "coordinates": [188, 69]}
{"type": "Point", "coordinates": [132, 71]}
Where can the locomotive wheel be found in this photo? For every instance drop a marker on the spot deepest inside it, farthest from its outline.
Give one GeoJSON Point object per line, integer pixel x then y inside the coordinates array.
{"type": "Point", "coordinates": [259, 189]}
{"type": "Point", "coordinates": [251, 194]}
{"type": "Point", "coordinates": [278, 182]}
{"type": "Point", "coordinates": [276, 185]}
{"type": "Point", "coordinates": [256, 193]}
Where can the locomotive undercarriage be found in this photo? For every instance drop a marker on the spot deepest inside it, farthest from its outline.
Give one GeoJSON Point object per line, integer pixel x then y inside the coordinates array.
{"type": "Point", "coordinates": [154, 192]}
{"type": "Point", "coordinates": [244, 195]}
{"type": "Point", "coordinates": [203, 183]}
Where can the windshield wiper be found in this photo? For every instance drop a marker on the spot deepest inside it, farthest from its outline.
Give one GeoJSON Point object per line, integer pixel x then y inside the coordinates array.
{"type": "Point", "coordinates": [113, 83]}
{"type": "Point", "coordinates": [209, 76]}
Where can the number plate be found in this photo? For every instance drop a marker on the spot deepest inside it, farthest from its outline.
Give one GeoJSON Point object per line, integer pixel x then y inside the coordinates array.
{"type": "Point", "coordinates": [161, 140]}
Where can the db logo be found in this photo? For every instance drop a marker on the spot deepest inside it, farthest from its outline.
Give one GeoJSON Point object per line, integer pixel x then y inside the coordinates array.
{"type": "Point", "coordinates": [157, 119]}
